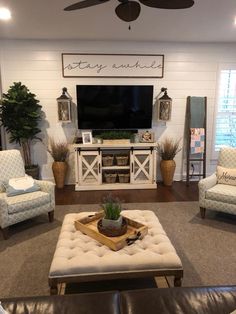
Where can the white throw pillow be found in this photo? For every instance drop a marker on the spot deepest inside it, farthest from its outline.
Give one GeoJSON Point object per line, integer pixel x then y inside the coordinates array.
{"type": "Point", "coordinates": [226, 175]}
{"type": "Point", "coordinates": [21, 185]}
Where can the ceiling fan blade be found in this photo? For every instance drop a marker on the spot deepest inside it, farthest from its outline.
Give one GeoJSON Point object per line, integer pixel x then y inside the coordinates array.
{"type": "Point", "coordinates": [84, 4]}
{"type": "Point", "coordinates": [128, 11]}
{"type": "Point", "coordinates": [168, 4]}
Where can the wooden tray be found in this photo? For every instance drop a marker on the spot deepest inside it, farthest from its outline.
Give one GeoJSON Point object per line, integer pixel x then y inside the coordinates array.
{"type": "Point", "coordinates": [88, 225]}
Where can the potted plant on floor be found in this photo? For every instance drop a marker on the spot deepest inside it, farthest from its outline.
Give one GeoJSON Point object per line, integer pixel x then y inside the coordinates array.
{"type": "Point", "coordinates": [167, 150]}
{"type": "Point", "coordinates": [20, 114]}
{"type": "Point", "coordinates": [59, 152]}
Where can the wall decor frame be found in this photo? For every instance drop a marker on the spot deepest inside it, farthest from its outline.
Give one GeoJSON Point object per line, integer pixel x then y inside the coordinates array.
{"type": "Point", "coordinates": [112, 65]}
{"type": "Point", "coordinates": [87, 137]}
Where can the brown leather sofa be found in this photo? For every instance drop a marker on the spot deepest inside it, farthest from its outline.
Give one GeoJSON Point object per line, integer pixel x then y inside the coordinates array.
{"type": "Point", "coordinates": [201, 300]}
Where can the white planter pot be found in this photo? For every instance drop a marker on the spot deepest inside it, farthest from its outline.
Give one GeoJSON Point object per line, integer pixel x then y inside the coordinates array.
{"type": "Point", "coordinates": [115, 224]}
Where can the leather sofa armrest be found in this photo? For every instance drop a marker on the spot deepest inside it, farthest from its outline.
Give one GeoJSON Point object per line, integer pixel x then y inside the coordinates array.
{"type": "Point", "coordinates": [89, 303]}
{"type": "Point", "coordinates": [210, 300]}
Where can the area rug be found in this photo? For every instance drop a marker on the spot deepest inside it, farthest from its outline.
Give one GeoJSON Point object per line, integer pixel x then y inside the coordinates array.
{"type": "Point", "coordinates": [206, 247]}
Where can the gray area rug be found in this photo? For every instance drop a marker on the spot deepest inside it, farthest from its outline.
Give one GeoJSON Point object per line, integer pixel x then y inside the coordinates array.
{"type": "Point", "coordinates": [207, 247]}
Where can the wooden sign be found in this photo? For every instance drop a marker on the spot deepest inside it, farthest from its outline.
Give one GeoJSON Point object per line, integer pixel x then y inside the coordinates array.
{"type": "Point", "coordinates": [112, 65]}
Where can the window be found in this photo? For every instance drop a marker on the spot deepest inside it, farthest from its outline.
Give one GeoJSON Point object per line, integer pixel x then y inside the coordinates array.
{"type": "Point", "coordinates": [225, 122]}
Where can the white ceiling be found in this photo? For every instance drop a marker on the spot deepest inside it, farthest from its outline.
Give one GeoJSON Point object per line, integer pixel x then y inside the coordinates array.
{"type": "Point", "coordinates": [206, 21]}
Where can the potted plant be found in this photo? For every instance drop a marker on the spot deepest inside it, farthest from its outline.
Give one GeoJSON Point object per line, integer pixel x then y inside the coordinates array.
{"type": "Point", "coordinates": [116, 136]}
{"type": "Point", "coordinates": [59, 152]}
{"type": "Point", "coordinates": [112, 208]}
{"type": "Point", "coordinates": [20, 114]}
{"type": "Point", "coordinates": [167, 150]}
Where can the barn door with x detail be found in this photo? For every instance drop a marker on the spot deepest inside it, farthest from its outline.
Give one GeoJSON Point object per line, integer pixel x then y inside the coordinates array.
{"type": "Point", "coordinates": [142, 166]}
{"type": "Point", "coordinates": [90, 168]}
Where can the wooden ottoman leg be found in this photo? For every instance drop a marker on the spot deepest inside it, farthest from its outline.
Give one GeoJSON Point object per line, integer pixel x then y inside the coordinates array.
{"type": "Point", "coordinates": [202, 212]}
{"type": "Point", "coordinates": [177, 281]}
{"type": "Point", "coordinates": [53, 287]}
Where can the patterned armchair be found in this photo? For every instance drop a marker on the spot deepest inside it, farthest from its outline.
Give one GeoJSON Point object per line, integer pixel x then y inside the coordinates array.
{"type": "Point", "coordinates": [14, 209]}
{"type": "Point", "coordinates": [217, 196]}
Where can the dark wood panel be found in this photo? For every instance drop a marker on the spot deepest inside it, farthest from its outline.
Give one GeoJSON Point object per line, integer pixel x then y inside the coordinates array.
{"type": "Point", "coordinates": [177, 192]}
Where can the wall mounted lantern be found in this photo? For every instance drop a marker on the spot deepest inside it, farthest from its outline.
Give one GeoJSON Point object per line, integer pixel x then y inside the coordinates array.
{"type": "Point", "coordinates": [164, 106]}
{"type": "Point", "coordinates": [64, 106]}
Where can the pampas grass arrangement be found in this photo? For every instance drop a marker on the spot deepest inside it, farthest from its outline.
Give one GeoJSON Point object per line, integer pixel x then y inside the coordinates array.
{"type": "Point", "coordinates": [58, 150]}
{"type": "Point", "coordinates": [168, 148]}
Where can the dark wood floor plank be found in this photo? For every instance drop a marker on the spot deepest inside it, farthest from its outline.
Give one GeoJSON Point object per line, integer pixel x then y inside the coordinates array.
{"type": "Point", "coordinates": [176, 193]}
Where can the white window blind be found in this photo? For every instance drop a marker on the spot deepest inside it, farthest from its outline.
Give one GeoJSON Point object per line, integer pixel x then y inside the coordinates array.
{"type": "Point", "coordinates": [225, 124]}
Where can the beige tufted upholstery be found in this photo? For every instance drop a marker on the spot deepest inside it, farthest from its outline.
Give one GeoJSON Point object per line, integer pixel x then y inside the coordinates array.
{"type": "Point", "coordinates": [78, 255]}
{"type": "Point", "coordinates": [21, 207]}
{"type": "Point", "coordinates": [219, 197]}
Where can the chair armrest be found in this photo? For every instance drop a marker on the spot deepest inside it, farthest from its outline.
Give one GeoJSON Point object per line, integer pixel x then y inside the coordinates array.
{"type": "Point", "coordinates": [48, 187]}
{"type": "Point", "coordinates": [3, 210]}
{"type": "Point", "coordinates": [204, 185]}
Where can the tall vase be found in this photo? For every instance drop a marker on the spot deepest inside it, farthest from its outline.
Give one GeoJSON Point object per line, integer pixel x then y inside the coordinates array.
{"type": "Point", "coordinates": [167, 171]}
{"type": "Point", "coordinates": [59, 169]}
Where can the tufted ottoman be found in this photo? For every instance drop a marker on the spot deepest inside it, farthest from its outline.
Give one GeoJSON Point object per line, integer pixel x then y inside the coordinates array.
{"type": "Point", "coordinates": [80, 258]}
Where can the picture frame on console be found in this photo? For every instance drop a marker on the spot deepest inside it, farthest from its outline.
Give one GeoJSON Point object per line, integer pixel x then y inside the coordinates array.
{"type": "Point", "coordinates": [87, 137]}
{"type": "Point", "coordinates": [147, 137]}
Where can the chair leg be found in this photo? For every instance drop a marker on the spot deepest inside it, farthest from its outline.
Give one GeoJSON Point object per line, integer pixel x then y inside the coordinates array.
{"type": "Point", "coordinates": [202, 212]}
{"type": "Point", "coordinates": [5, 233]}
{"type": "Point", "coordinates": [51, 216]}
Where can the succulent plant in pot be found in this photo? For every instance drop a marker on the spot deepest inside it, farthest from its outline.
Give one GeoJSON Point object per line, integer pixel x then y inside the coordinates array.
{"type": "Point", "coordinates": [167, 150]}
{"type": "Point", "coordinates": [112, 208]}
{"type": "Point", "coordinates": [59, 152]}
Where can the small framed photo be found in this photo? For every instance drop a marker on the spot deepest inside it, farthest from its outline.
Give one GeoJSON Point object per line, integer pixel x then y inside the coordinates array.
{"type": "Point", "coordinates": [146, 137]}
{"type": "Point", "coordinates": [164, 110]}
{"type": "Point", "coordinates": [87, 137]}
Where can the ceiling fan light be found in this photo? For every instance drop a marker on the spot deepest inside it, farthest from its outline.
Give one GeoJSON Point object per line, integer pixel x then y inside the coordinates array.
{"type": "Point", "coordinates": [128, 11]}
{"type": "Point", "coordinates": [5, 14]}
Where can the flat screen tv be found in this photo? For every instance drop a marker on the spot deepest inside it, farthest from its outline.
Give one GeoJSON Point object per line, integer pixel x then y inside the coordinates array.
{"type": "Point", "coordinates": [113, 107]}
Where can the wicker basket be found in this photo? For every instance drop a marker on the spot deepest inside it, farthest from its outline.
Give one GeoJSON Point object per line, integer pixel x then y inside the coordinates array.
{"type": "Point", "coordinates": [123, 177]}
{"type": "Point", "coordinates": [121, 160]}
{"type": "Point", "coordinates": [110, 177]}
{"type": "Point", "coordinates": [107, 161]}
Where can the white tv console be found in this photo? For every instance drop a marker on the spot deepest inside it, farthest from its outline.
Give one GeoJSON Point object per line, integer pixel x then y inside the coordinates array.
{"type": "Point", "coordinates": [91, 171]}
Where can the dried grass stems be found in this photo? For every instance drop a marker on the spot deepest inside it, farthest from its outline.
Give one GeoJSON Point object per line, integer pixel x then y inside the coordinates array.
{"type": "Point", "coordinates": [58, 150]}
{"type": "Point", "coordinates": [168, 148]}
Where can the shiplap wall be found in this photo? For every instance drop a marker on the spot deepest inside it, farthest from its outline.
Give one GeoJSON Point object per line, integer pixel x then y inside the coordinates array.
{"type": "Point", "coordinates": [190, 70]}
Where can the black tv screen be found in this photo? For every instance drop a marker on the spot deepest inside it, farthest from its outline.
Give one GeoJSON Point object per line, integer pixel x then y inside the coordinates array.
{"type": "Point", "coordinates": [110, 107]}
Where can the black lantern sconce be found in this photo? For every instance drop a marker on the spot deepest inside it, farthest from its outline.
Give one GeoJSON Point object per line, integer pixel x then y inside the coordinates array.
{"type": "Point", "coordinates": [64, 106]}
{"type": "Point", "coordinates": [164, 106]}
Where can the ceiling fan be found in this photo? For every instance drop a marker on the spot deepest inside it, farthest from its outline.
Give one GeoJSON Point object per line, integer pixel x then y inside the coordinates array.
{"type": "Point", "coordinates": [129, 10]}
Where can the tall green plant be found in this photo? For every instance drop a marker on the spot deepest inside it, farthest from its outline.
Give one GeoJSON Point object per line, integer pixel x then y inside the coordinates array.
{"type": "Point", "coordinates": [20, 114]}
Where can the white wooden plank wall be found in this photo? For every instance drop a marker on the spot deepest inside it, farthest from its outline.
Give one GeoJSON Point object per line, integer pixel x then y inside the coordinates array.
{"type": "Point", "coordinates": [190, 70]}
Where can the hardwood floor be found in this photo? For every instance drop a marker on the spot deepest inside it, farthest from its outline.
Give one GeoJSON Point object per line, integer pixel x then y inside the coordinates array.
{"type": "Point", "coordinates": [177, 192]}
